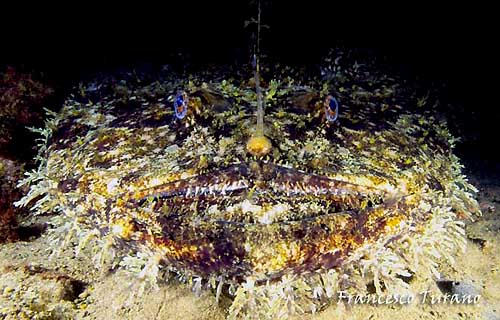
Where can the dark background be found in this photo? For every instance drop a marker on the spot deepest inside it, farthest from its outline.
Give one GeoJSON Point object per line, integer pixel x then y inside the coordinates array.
{"type": "Point", "coordinates": [449, 44]}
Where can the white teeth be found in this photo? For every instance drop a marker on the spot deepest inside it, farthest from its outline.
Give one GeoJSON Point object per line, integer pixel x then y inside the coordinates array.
{"type": "Point", "coordinates": [296, 189]}
{"type": "Point", "coordinates": [303, 188]}
{"type": "Point", "coordinates": [241, 184]}
{"type": "Point", "coordinates": [233, 186]}
{"type": "Point", "coordinates": [188, 192]}
{"type": "Point", "coordinates": [196, 190]}
{"type": "Point", "coordinates": [220, 188]}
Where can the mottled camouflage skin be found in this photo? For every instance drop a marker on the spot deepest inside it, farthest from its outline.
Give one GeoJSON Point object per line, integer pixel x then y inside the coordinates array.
{"type": "Point", "coordinates": [127, 169]}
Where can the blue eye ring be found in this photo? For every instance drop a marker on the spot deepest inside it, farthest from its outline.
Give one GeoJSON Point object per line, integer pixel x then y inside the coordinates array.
{"type": "Point", "coordinates": [331, 108]}
{"type": "Point", "coordinates": [181, 104]}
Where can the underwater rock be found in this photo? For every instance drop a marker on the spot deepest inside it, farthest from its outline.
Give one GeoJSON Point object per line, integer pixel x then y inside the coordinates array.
{"type": "Point", "coordinates": [461, 288]}
{"type": "Point", "coordinates": [369, 199]}
{"type": "Point", "coordinates": [483, 231]}
{"type": "Point", "coordinates": [22, 98]}
{"type": "Point", "coordinates": [464, 288]}
{"type": "Point", "coordinates": [21, 105]}
{"type": "Point", "coordinates": [10, 173]}
{"type": "Point", "coordinates": [32, 292]}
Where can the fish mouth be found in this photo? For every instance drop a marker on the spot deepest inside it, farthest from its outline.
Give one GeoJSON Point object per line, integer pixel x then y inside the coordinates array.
{"type": "Point", "coordinates": [259, 192]}
{"type": "Point", "coordinates": [261, 219]}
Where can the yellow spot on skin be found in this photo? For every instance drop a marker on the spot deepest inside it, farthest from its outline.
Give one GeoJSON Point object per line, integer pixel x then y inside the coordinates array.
{"type": "Point", "coordinates": [179, 251]}
{"type": "Point", "coordinates": [318, 163]}
{"type": "Point", "coordinates": [259, 146]}
{"type": "Point", "coordinates": [364, 204]}
{"type": "Point", "coordinates": [393, 222]}
{"type": "Point", "coordinates": [274, 257]}
{"type": "Point", "coordinates": [122, 228]}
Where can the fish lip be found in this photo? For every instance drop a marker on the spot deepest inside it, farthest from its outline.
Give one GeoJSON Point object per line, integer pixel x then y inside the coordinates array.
{"type": "Point", "coordinates": [258, 178]}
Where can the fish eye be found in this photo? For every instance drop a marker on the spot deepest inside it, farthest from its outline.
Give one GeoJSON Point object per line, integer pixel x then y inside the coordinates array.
{"type": "Point", "coordinates": [331, 108]}
{"type": "Point", "coordinates": [181, 104]}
